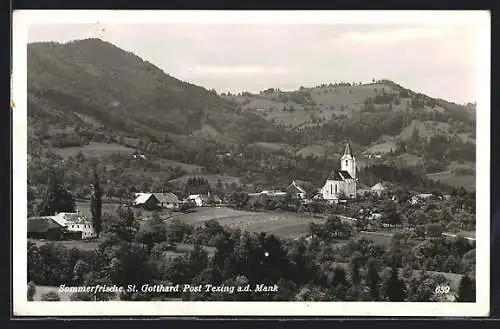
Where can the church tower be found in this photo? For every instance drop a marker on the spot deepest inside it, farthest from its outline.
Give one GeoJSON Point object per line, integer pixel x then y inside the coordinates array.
{"type": "Point", "coordinates": [348, 162]}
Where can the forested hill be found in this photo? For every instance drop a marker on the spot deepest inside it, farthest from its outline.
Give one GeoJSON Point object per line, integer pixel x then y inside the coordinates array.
{"type": "Point", "coordinates": [96, 84]}
{"type": "Point", "coordinates": [91, 97]}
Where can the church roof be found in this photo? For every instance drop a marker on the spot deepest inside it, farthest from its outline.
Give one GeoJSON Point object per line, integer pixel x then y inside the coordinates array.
{"type": "Point", "coordinates": [339, 175]}
{"type": "Point", "coordinates": [347, 150]}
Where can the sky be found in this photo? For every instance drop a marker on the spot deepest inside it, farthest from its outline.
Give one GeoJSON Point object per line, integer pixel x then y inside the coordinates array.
{"type": "Point", "coordinates": [437, 60]}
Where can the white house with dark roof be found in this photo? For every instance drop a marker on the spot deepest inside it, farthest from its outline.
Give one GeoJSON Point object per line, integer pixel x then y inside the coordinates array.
{"type": "Point", "coordinates": [157, 200]}
{"type": "Point", "coordinates": [341, 183]}
{"type": "Point", "coordinates": [296, 190]}
{"type": "Point", "coordinates": [74, 222]}
{"type": "Point", "coordinates": [378, 188]}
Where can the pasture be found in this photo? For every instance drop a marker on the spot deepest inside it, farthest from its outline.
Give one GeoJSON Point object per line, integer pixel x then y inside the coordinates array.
{"type": "Point", "coordinates": [94, 150]}
{"type": "Point", "coordinates": [284, 225]}
{"type": "Point", "coordinates": [386, 147]}
{"type": "Point", "coordinates": [190, 168]}
{"type": "Point", "coordinates": [273, 147]}
{"type": "Point", "coordinates": [314, 150]}
{"type": "Point", "coordinates": [466, 181]}
{"type": "Point", "coordinates": [212, 179]}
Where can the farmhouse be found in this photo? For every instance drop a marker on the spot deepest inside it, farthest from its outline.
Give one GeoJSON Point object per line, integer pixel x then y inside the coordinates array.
{"type": "Point", "coordinates": [201, 200]}
{"type": "Point", "coordinates": [146, 200]}
{"type": "Point", "coordinates": [44, 228]}
{"type": "Point", "coordinates": [76, 223]}
{"type": "Point", "coordinates": [152, 201]}
{"type": "Point", "coordinates": [296, 190]}
{"type": "Point", "coordinates": [341, 183]}
{"type": "Point", "coordinates": [378, 189]}
{"type": "Point", "coordinates": [419, 198]}
{"type": "Point", "coordinates": [167, 200]}
{"type": "Point", "coordinates": [73, 225]}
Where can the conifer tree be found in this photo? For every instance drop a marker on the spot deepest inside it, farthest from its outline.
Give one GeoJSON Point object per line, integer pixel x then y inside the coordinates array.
{"type": "Point", "coordinates": [96, 204]}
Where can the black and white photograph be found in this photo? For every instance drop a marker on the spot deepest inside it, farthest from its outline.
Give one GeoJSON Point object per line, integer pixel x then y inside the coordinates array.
{"type": "Point", "coordinates": [251, 163]}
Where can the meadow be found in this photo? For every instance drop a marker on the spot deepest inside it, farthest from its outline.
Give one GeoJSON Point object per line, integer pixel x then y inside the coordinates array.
{"type": "Point", "coordinates": [94, 150]}
{"type": "Point", "coordinates": [466, 181]}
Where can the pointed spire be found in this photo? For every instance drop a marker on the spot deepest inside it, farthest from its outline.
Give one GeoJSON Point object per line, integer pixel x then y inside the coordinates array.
{"type": "Point", "coordinates": [347, 151]}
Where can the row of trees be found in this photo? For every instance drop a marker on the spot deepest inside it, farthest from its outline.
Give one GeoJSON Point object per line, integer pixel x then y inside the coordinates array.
{"type": "Point", "coordinates": [304, 271]}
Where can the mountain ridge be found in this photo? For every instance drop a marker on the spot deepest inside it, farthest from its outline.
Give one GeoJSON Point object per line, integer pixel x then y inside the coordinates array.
{"type": "Point", "coordinates": [92, 91]}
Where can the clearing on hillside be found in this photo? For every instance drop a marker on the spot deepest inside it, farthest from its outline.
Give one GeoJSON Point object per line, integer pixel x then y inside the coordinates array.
{"type": "Point", "coordinates": [212, 179]}
{"type": "Point", "coordinates": [94, 150]}
{"type": "Point", "coordinates": [466, 181]}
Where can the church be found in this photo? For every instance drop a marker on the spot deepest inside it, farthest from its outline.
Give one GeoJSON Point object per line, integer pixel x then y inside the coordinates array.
{"type": "Point", "coordinates": [341, 183]}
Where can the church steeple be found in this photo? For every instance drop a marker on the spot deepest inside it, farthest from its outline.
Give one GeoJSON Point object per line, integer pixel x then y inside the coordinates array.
{"type": "Point", "coordinates": [348, 162]}
{"type": "Point", "coordinates": [347, 150]}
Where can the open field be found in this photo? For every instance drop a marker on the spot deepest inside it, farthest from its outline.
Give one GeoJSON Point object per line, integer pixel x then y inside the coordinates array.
{"type": "Point", "coordinates": [286, 225]}
{"type": "Point", "coordinates": [275, 147]}
{"type": "Point", "coordinates": [212, 179]}
{"type": "Point", "coordinates": [190, 168]}
{"type": "Point", "coordinates": [86, 245]}
{"type": "Point", "coordinates": [382, 148]}
{"type": "Point", "coordinates": [466, 181]}
{"type": "Point", "coordinates": [425, 129]}
{"type": "Point", "coordinates": [283, 225]}
{"type": "Point", "coordinates": [314, 150]}
{"type": "Point", "coordinates": [94, 150]}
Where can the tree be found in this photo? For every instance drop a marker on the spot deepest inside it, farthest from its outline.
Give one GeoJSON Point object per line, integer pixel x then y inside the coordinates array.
{"type": "Point", "coordinates": [123, 224]}
{"type": "Point", "coordinates": [395, 289]}
{"type": "Point", "coordinates": [79, 271]}
{"type": "Point", "coordinates": [466, 290]}
{"type": "Point", "coordinates": [153, 231]}
{"type": "Point", "coordinates": [355, 266]}
{"type": "Point", "coordinates": [31, 291]}
{"type": "Point", "coordinates": [96, 203]}
{"type": "Point", "coordinates": [31, 201]}
{"type": "Point", "coordinates": [219, 189]}
{"type": "Point", "coordinates": [50, 296]}
{"type": "Point", "coordinates": [373, 280]}
{"type": "Point", "coordinates": [56, 198]}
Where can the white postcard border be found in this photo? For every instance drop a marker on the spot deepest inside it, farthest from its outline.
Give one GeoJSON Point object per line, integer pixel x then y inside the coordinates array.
{"type": "Point", "coordinates": [21, 21]}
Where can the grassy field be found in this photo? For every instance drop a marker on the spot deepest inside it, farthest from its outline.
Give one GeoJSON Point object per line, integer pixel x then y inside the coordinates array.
{"type": "Point", "coordinates": [212, 179]}
{"type": "Point", "coordinates": [86, 245]}
{"type": "Point", "coordinates": [382, 148]}
{"type": "Point", "coordinates": [466, 181]}
{"type": "Point", "coordinates": [425, 129]}
{"type": "Point", "coordinates": [275, 147]}
{"type": "Point", "coordinates": [315, 150]}
{"type": "Point", "coordinates": [190, 168]}
{"type": "Point", "coordinates": [286, 225]}
{"type": "Point", "coordinates": [94, 150]}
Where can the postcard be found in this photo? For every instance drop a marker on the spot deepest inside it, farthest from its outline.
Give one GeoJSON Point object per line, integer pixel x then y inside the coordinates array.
{"type": "Point", "coordinates": [263, 163]}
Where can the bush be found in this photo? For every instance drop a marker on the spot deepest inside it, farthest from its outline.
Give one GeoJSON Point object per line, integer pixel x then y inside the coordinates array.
{"type": "Point", "coordinates": [51, 296]}
{"type": "Point", "coordinates": [31, 291]}
{"type": "Point", "coordinates": [81, 296]}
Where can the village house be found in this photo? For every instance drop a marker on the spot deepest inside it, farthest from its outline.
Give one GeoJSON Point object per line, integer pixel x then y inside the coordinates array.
{"type": "Point", "coordinates": [153, 201]}
{"type": "Point", "coordinates": [341, 183]}
{"type": "Point", "coordinates": [296, 190]}
{"type": "Point", "coordinates": [44, 228]}
{"type": "Point", "coordinates": [378, 189]}
{"type": "Point", "coordinates": [72, 225]}
{"type": "Point", "coordinates": [419, 198]}
{"type": "Point", "coordinates": [201, 200]}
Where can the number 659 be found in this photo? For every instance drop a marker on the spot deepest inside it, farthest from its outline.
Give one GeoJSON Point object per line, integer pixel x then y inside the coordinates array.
{"type": "Point", "coordinates": [442, 289]}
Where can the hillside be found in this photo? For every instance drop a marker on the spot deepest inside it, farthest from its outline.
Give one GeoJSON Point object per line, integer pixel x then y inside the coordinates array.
{"type": "Point", "coordinates": [95, 84]}
{"type": "Point", "coordinates": [90, 99]}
